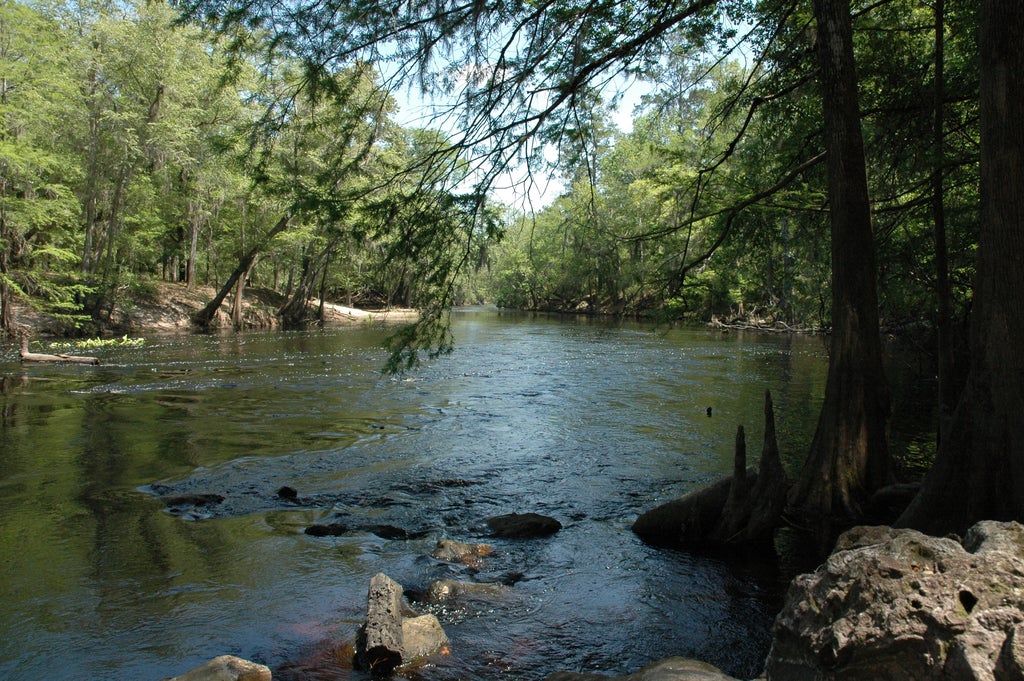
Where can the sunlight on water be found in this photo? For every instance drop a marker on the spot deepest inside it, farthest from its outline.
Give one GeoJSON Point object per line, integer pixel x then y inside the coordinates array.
{"type": "Point", "coordinates": [590, 423]}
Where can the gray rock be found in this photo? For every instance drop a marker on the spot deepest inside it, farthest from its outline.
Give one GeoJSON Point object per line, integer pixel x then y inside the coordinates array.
{"type": "Point", "coordinates": [669, 669]}
{"type": "Point", "coordinates": [227, 668]}
{"type": "Point", "coordinates": [898, 604]}
{"type": "Point", "coordinates": [388, 638]}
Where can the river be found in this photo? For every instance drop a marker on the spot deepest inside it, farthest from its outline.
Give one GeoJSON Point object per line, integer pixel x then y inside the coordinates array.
{"type": "Point", "coordinates": [588, 422]}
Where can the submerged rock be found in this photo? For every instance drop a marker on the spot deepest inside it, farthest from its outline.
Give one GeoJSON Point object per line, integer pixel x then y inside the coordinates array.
{"type": "Point", "coordinates": [898, 604]}
{"type": "Point", "coordinates": [669, 669]}
{"type": "Point", "coordinates": [459, 552]}
{"type": "Point", "coordinates": [327, 530]}
{"type": "Point", "coordinates": [226, 668]}
{"type": "Point", "coordinates": [288, 493]}
{"type": "Point", "coordinates": [392, 532]}
{"type": "Point", "coordinates": [191, 499]}
{"type": "Point", "coordinates": [441, 590]}
{"type": "Point", "coordinates": [522, 525]}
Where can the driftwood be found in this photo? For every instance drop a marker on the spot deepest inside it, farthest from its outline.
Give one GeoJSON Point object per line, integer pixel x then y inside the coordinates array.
{"type": "Point", "coordinates": [389, 639]}
{"type": "Point", "coordinates": [27, 356]}
{"type": "Point", "coordinates": [740, 509]}
{"type": "Point", "coordinates": [381, 645]}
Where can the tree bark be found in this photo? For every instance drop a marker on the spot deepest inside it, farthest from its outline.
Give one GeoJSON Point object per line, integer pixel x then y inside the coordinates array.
{"type": "Point", "coordinates": [381, 645]}
{"type": "Point", "coordinates": [944, 313]}
{"type": "Point", "coordinates": [849, 455]}
{"type": "Point", "coordinates": [979, 468]}
{"type": "Point", "coordinates": [742, 510]}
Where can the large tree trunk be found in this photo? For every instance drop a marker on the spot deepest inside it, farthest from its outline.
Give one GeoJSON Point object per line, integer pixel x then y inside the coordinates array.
{"type": "Point", "coordinates": [849, 456]}
{"type": "Point", "coordinates": [979, 469]}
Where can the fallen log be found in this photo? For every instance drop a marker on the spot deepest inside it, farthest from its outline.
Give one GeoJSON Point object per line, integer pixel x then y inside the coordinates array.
{"type": "Point", "coordinates": [381, 644]}
{"type": "Point", "coordinates": [27, 356]}
{"type": "Point", "coordinates": [388, 638]}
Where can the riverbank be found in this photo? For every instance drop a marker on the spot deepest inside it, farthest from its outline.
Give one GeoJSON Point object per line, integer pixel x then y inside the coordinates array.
{"type": "Point", "coordinates": [168, 307]}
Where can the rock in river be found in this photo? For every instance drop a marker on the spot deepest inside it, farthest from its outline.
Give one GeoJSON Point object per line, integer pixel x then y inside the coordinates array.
{"type": "Point", "coordinates": [459, 552]}
{"type": "Point", "coordinates": [669, 669]}
{"type": "Point", "coordinates": [388, 638]}
{"type": "Point", "coordinates": [441, 590]}
{"type": "Point", "coordinates": [226, 668]}
{"type": "Point", "coordinates": [522, 525]}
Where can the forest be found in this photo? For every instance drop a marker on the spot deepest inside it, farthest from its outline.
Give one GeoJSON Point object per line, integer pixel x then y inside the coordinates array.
{"type": "Point", "coordinates": [139, 148]}
{"type": "Point", "coordinates": [835, 165]}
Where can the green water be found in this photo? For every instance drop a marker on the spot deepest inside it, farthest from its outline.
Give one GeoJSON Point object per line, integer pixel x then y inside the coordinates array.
{"type": "Point", "coordinates": [591, 423]}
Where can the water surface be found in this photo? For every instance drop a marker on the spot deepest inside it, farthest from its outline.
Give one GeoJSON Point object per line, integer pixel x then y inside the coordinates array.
{"type": "Point", "coordinates": [591, 423]}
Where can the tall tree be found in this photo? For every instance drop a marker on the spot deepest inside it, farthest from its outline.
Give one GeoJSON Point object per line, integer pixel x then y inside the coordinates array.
{"type": "Point", "coordinates": [849, 456]}
{"type": "Point", "coordinates": [37, 208]}
{"type": "Point", "coordinates": [979, 469]}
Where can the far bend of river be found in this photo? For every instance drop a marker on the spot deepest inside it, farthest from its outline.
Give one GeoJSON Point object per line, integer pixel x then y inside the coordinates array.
{"type": "Point", "coordinates": [589, 422]}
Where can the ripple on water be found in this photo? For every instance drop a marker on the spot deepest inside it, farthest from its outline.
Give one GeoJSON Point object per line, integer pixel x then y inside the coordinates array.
{"type": "Point", "coordinates": [582, 422]}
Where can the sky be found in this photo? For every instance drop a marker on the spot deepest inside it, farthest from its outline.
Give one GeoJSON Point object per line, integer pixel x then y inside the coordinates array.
{"type": "Point", "coordinates": [414, 111]}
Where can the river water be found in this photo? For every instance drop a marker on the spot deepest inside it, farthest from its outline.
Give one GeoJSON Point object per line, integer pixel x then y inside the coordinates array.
{"type": "Point", "coordinates": [588, 422]}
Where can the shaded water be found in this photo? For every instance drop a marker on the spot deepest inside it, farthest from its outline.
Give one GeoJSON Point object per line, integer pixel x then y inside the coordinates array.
{"type": "Point", "coordinates": [586, 422]}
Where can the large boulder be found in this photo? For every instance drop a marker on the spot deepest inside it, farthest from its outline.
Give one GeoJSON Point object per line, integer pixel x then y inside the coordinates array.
{"type": "Point", "coordinates": [227, 668]}
{"type": "Point", "coordinates": [898, 604]}
{"type": "Point", "coordinates": [669, 669]}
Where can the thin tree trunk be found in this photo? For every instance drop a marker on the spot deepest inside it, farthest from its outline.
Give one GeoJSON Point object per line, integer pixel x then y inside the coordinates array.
{"type": "Point", "coordinates": [979, 469]}
{"type": "Point", "coordinates": [206, 315]}
{"type": "Point", "coordinates": [92, 170]}
{"type": "Point", "coordinates": [6, 309]}
{"type": "Point", "coordinates": [124, 179]}
{"type": "Point", "coordinates": [238, 303]}
{"type": "Point", "coordinates": [849, 456]}
{"type": "Point", "coordinates": [194, 225]}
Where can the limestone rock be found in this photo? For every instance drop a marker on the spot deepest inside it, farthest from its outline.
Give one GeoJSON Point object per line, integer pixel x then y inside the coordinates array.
{"type": "Point", "coordinates": [441, 590]}
{"type": "Point", "coordinates": [388, 639]}
{"type": "Point", "coordinates": [898, 604]}
{"type": "Point", "coordinates": [227, 668]}
{"type": "Point", "coordinates": [459, 552]}
{"type": "Point", "coordinates": [423, 636]}
{"type": "Point", "coordinates": [669, 669]}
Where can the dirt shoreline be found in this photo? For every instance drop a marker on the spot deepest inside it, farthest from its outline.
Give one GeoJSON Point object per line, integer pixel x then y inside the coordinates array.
{"type": "Point", "coordinates": [167, 307]}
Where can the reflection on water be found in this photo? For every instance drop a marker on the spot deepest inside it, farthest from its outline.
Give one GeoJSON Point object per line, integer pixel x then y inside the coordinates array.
{"type": "Point", "coordinates": [590, 423]}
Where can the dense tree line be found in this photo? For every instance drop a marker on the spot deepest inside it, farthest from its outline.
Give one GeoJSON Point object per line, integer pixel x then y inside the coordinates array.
{"type": "Point", "coordinates": [661, 225]}
{"type": "Point", "coordinates": [136, 148]}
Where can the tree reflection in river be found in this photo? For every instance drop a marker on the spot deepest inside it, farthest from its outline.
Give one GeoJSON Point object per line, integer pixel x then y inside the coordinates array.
{"type": "Point", "coordinates": [588, 422]}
